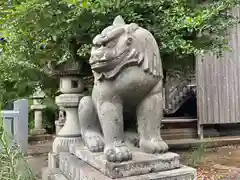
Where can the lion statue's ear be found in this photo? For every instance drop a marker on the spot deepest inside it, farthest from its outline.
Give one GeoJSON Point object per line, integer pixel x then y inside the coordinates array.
{"type": "Point", "coordinates": [118, 21]}
{"type": "Point", "coordinates": [132, 28]}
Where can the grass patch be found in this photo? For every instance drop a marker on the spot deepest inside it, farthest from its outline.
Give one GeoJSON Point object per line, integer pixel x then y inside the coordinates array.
{"type": "Point", "coordinates": [196, 156]}
{"type": "Point", "coordinates": [12, 163]}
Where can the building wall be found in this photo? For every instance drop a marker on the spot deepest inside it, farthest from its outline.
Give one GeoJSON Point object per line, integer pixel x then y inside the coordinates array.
{"type": "Point", "coordinates": [218, 81]}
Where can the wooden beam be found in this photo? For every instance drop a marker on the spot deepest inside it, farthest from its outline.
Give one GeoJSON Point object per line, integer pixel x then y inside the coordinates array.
{"type": "Point", "coordinates": [178, 120]}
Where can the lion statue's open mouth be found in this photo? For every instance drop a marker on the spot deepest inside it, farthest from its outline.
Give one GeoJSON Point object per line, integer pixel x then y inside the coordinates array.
{"type": "Point", "coordinates": [122, 45]}
{"type": "Point", "coordinates": [106, 64]}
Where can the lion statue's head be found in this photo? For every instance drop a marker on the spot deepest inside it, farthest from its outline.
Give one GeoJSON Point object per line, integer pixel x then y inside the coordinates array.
{"type": "Point", "coordinates": [122, 45]}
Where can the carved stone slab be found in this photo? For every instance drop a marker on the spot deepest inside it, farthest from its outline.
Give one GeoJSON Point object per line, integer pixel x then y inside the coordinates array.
{"type": "Point", "coordinates": [142, 163]}
{"type": "Point", "coordinates": [72, 168]}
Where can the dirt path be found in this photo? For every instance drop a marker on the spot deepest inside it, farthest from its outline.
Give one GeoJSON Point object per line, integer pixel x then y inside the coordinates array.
{"type": "Point", "coordinates": [218, 163]}
{"type": "Point", "coordinates": [38, 155]}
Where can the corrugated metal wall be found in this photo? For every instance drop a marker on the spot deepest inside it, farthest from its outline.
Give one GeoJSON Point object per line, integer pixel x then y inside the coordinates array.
{"type": "Point", "coordinates": [218, 81]}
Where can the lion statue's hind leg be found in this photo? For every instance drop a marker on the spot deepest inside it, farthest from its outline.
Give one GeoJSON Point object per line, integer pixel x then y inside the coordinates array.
{"type": "Point", "coordinates": [91, 129]}
{"type": "Point", "coordinates": [149, 115]}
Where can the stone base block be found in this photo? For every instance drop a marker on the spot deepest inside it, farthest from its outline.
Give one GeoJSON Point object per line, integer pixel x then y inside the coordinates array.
{"type": "Point", "coordinates": [53, 160]}
{"type": "Point", "coordinates": [38, 131]}
{"type": "Point", "coordinates": [142, 163]}
{"type": "Point", "coordinates": [72, 168]}
{"type": "Point", "coordinates": [52, 174]}
{"type": "Point", "coordinates": [62, 144]}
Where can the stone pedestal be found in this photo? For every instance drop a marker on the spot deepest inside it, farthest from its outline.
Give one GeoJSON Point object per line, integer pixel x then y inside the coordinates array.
{"type": "Point", "coordinates": [82, 164]}
{"type": "Point", "coordinates": [53, 160]}
{"type": "Point", "coordinates": [78, 170]}
{"type": "Point", "coordinates": [70, 133]}
{"type": "Point", "coordinates": [141, 163]}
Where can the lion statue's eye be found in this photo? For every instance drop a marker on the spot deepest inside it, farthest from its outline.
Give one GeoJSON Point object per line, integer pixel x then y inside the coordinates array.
{"type": "Point", "coordinates": [129, 41]}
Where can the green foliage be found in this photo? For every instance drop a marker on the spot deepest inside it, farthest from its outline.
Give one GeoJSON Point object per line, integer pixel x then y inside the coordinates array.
{"type": "Point", "coordinates": [49, 115]}
{"type": "Point", "coordinates": [38, 31]}
{"type": "Point", "coordinates": [12, 163]}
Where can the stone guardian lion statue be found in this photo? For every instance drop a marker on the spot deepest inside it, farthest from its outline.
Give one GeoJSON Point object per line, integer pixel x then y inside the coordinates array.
{"type": "Point", "coordinates": [128, 73]}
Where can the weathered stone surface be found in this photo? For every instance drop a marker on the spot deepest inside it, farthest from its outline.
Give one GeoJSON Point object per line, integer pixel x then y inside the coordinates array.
{"type": "Point", "coordinates": [72, 168]}
{"type": "Point", "coordinates": [61, 144]}
{"type": "Point", "coordinates": [67, 68]}
{"type": "Point", "coordinates": [52, 174]}
{"type": "Point", "coordinates": [71, 84]}
{"type": "Point", "coordinates": [128, 84]}
{"type": "Point", "coordinates": [53, 160]}
{"type": "Point", "coordinates": [141, 163]}
{"type": "Point", "coordinates": [71, 127]}
{"type": "Point", "coordinates": [68, 100]}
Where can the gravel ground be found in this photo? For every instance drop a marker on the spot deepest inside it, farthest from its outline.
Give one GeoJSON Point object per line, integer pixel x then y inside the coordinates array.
{"type": "Point", "coordinates": [219, 163]}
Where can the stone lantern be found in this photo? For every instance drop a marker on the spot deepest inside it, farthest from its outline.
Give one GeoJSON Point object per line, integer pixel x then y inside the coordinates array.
{"type": "Point", "coordinates": [72, 88]}
{"type": "Point", "coordinates": [38, 108]}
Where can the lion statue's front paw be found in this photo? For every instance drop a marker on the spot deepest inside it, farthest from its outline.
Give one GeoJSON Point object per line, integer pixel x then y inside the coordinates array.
{"type": "Point", "coordinates": [117, 154]}
{"type": "Point", "coordinates": [155, 145]}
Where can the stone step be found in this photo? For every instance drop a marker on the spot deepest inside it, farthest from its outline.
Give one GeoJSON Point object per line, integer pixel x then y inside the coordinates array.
{"type": "Point", "coordinates": [178, 130]}
{"type": "Point", "coordinates": [181, 133]}
{"type": "Point", "coordinates": [167, 134]}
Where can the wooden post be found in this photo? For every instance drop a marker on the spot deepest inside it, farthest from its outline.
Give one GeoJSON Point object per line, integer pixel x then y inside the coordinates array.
{"type": "Point", "coordinates": [200, 130]}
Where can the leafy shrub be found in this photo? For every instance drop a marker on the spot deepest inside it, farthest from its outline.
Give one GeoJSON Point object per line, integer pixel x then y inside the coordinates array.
{"type": "Point", "coordinates": [50, 115]}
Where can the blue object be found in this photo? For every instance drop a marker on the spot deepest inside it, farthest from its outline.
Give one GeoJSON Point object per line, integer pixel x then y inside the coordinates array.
{"type": "Point", "coordinates": [3, 40]}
